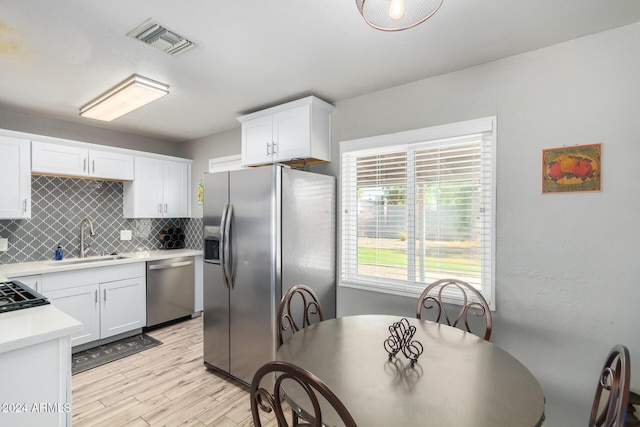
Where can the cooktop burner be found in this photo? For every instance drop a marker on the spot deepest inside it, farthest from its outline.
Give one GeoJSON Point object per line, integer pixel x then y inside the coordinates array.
{"type": "Point", "coordinates": [16, 295]}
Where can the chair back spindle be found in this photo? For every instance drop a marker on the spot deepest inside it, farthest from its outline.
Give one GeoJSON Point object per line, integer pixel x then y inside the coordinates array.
{"type": "Point", "coordinates": [292, 375]}
{"type": "Point", "coordinates": [610, 403]}
{"type": "Point", "coordinates": [299, 308]}
{"type": "Point", "coordinates": [473, 303]}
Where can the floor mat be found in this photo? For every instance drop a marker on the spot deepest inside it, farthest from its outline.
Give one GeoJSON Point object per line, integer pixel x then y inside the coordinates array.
{"type": "Point", "coordinates": [87, 359]}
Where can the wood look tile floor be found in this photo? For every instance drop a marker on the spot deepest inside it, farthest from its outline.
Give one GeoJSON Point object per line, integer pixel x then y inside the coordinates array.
{"type": "Point", "coordinates": [167, 385]}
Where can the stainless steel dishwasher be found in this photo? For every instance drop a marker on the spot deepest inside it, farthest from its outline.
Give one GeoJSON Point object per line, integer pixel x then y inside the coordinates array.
{"type": "Point", "coordinates": [170, 289]}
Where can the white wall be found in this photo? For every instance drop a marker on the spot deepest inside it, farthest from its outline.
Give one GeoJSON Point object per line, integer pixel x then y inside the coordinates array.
{"type": "Point", "coordinates": [567, 264]}
{"type": "Point", "coordinates": [201, 150]}
{"type": "Point", "coordinates": [31, 123]}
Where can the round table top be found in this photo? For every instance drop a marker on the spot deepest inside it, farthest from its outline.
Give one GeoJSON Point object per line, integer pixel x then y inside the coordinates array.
{"type": "Point", "coordinates": [459, 380]}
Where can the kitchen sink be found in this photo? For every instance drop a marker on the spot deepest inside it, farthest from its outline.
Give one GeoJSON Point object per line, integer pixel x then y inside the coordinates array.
{"type": "Point", "coordinates": [75, 261]}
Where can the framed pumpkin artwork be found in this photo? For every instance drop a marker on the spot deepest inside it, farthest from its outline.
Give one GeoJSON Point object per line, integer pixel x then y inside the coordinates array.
{"type": "Point", "coordinates": [576, 168]}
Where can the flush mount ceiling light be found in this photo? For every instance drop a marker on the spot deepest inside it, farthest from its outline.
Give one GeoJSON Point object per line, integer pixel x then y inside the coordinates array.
{"type": "Point", "coordinates": [127, 96]}
{"type": "Point", "coordinates": [396, 15]}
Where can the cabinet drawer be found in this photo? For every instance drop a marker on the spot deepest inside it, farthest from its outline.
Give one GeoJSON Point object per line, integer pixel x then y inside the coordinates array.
{"type": "Point", "coordinates": [33, 281]}
{"type": "Point", "coordinates": [71, 279]}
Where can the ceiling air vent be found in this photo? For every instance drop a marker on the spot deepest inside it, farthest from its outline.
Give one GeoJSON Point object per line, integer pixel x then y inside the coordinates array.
{"type": "Point", "coordinates": [160, 37]}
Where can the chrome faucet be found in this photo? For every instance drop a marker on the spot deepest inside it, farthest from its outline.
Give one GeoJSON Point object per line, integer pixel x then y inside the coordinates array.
{"type": "Point", "coordinates": [84, 249]}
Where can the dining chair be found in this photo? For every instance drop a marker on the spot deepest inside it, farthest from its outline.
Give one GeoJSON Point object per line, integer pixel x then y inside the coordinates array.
{"type": "Point", "coordinates": [298, 308]}
{"type": "Point", "coordinates": [610, 403]}
{"type": "Point", "coordinates": [472, 303]}
{"type": "Point", "coordinates": [292, 375]}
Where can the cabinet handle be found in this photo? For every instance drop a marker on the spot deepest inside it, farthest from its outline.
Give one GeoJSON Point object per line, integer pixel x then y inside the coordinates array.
{"type": "Point", "coordinates": [268, 149]}
{"type": "Point", "coordinates": [25, 205]}
{"type": "Point", "coordinates": [96, 297]}
{"type": "Point", "coordinates": [105, 295]}
{"type": "Point", "coordinates": [172, 265]}
{"type": "Point", "coordinates": [273, 148]}
{"type": "Point", "coordinates": [37, 286]}
{"type": "Point", "coordinates": [159, 207]}
{"type": "Point", "coordinates": [84, 164]}
{"type": "Point", "coordinates": [165, 208]}
{"type": "Point", "coordinates": [93, 165]}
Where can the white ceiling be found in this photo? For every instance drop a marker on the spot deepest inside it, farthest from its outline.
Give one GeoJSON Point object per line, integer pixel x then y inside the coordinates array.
{"type": "Point", "coordinates": [56, 56]}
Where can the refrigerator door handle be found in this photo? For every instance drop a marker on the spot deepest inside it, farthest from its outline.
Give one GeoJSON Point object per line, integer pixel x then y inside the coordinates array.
{"type": "Point", "coordinates": [223, 239]}
{"type": "Point", "coordinates": [226, 248]}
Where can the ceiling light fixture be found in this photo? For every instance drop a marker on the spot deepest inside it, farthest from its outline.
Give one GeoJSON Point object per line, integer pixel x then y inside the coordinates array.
{"type": "Point", "coordinates": [396, 15]}
{"type": "Point", "coordinates": [127, 96]}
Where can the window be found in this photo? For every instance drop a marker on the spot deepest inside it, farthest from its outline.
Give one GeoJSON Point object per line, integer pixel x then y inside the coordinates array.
{"type": "Point", "coordinates": [419, 206]}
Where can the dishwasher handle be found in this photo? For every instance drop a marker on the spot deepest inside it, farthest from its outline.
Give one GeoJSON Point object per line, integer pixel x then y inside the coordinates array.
{"type": "Point", "coordinates": [172, 265]}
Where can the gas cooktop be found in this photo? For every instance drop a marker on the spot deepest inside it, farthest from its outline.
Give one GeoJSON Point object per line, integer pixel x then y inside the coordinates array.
{"type": "Point", "coordinates": [16, 295]}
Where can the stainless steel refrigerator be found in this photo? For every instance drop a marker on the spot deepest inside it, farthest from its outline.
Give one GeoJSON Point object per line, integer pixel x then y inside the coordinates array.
{"type": "Point", "coordinates": [266, 229]}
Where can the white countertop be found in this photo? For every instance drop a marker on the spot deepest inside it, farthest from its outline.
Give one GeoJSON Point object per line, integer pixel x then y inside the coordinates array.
{"type": "Point", "coordinates": [50, 266]}
{"type": "Point", "coordinates": [22, 328]}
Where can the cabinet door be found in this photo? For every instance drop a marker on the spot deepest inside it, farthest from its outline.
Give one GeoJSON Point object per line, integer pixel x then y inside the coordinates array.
{"type": "Point", "coordinates": [15, 176]}
{"type": "Point", "coordinates": [175, 190]}
{"type": "Point", "coordinates": [291, 134]}
{"type": "Point", "coordinates": [123, 306]}
{"type": "Point", "coordinates": [105, 164]}
{"type": "Point", "coordinates": [59, 159]}
{"type": "Point", "coordinates": [82, 304]}
{"type": "Point", "coordinates": [35, 375]}
{"type": "Point", "coordinates": [257, 139]}
{"type": "Point", "coordinates": [34, 281]}
{"type": "Point", "coordinates": [147, 195]}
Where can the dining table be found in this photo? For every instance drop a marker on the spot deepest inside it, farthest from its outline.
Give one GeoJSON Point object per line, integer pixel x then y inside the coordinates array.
{"type": "Point", "coordinates": [459, 379]}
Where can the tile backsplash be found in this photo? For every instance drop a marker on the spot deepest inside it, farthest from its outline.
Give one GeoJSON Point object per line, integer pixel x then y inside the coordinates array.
{"type": "Point", "coordinates": [58, 205]}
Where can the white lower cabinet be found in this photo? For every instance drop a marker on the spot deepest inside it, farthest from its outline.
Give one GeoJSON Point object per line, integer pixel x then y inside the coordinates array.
{"type": "Point", "coordinates": [108, 301]}
{"type": "Point", "coordinates": [81, 303]}
{"type": "Point", "coordinates": [33, 281]}
{"type": "Point", "coordinates": [122, 306]}
{"type": "Point", "coordinates": [36, 385]}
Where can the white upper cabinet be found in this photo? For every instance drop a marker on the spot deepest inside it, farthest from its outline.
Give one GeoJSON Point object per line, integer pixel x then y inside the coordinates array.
{"type": "Point", "coordinates": [257, 141]}
{"type": "Point", "coordinates": [58, 159]}
{"type": "Point", "coordinates": [143, 196]}
{"type": "Point", "coordinates": [108, 165]}
{"type": "Point", "coordinates": [298, 130]}
{"type": "Point", "coordinates": [15, 175]}
{"type": "Point", "coordinates": [70, 160]}
{"type": "Point", "coordinates": [175, 189]}
{"type": "Point", "coordinates": [160, 189]}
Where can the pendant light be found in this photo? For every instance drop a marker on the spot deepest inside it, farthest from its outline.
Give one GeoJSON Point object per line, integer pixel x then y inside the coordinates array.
{"type": "Point", "coordinates": [396, 15]}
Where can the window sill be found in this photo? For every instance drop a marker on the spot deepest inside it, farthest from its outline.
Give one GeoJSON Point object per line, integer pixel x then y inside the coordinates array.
{"type": "Point", "coordinates": [409, 292]}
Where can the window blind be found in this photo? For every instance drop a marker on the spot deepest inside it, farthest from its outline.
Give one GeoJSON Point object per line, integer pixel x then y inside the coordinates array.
{"type": "Point", "coordinates": [419, 211]}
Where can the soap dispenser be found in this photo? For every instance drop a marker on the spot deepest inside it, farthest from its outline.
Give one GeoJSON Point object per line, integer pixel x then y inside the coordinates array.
{"type": "Point", "coordinates": [59, 253]}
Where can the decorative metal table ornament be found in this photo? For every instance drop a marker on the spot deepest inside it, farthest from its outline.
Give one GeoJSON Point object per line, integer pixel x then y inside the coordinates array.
{"type": "Point", "coordinates": [400, 340]}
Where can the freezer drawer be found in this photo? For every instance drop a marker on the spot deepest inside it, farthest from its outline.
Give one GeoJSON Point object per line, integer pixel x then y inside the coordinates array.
{"type": "Point", "coordinates": [170, 289]}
